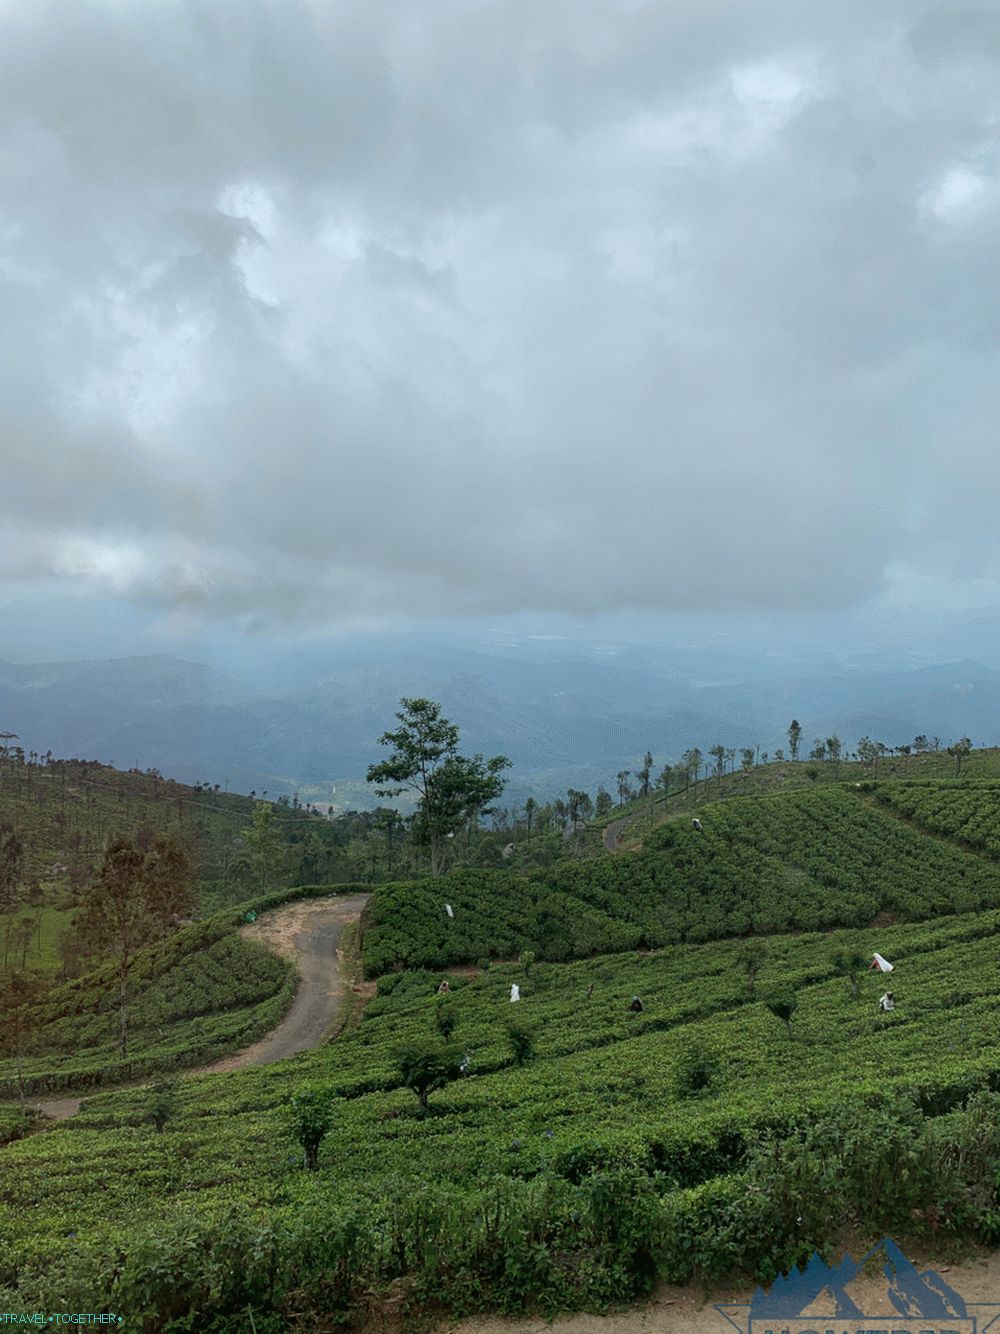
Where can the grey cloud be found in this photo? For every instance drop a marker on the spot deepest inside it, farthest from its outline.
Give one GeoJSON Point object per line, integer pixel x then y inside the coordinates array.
{"type": "Point", "coordinates": [318, 311]}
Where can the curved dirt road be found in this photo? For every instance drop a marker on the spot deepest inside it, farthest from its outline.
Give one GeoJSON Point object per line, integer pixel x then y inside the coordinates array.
{"type": "Point", "coordinates": [308, 934]}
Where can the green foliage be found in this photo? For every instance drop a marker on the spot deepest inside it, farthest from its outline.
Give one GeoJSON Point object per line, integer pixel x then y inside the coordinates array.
{"type": "Point", "coordinates": [163, 1100]}
{"type": "Point", "coordinates": [65, 811]}
{"type": "Point", "coordinates": [450, 789]}
{"type": "Point", "coordinates": [310, 1115]}
{"type": "Point", "coordinates": [423, 1069]}
{"type": "Point", "coordinates": [782, 1004]}
{"type": "Point", "coordinates": [751, 957]}
{"type": "Point", "coordinates": [521, 1037]}
{"type": "Point", "coordinates": [809, 860]}
{"type": "Point", "coordinates": [697, 1073]}
{"type": "Point", "coordinates": [968, 812]}
{"type": "Point", "coordinates": [851, 964]}
{"type": "Point", "coordinates": [445, 1018]}
{"type": "Point", "coordinates": [584, 1169]}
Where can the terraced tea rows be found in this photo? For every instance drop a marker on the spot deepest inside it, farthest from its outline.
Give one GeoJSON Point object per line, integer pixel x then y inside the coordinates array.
{"type": "Point", "coordinates": [602, 1096]}
{"type": "Point", "coordinates": [803, 861]}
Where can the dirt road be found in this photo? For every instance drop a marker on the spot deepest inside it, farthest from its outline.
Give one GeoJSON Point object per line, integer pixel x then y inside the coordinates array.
{"type": "Point", "coordinates": [307, 933]}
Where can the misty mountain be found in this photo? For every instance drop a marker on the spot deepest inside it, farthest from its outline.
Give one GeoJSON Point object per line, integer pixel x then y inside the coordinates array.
{"type": "Point", "coordinates": [565, 712]}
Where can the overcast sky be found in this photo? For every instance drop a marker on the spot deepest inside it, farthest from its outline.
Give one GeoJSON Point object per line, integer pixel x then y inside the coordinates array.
{"type": "Point", "coordinates": [320, 313]}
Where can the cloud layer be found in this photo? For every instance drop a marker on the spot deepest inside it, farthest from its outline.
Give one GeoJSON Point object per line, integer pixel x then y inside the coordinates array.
{"type": "Point", "coordinates": [318, 310]}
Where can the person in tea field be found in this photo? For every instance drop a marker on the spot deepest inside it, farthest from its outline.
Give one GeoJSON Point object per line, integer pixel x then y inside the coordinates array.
{"type": "Point", "coordinates": [886, 1003]}
{"type": "Point", "coordinates": [696, 823]}
{"type": "Point", "coordinates": [636, 1005]}
{"type": "Point", "coordinates": [515, 992]}
{"type": "Point", "coordinates": [444, 989]}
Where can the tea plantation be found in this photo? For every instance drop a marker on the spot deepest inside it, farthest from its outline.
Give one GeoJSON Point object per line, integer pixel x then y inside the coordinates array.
{"type": "Point", "coordinates": [806, 860]}
{"type": "Point", "coordinates": [693, 1139]}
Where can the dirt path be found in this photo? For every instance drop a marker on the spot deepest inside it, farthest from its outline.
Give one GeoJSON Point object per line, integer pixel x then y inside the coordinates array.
{"type": "Point", "coordinates": [692, 1310]}
{"type": "Point", "coordinates": [307, 933]}
{"type": "Point", "coordinates": [612, 831]}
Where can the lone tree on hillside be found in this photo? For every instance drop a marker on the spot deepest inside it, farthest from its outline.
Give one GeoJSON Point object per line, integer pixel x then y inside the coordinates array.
{"type": "Point", "coordinates": [450, 788]}
{"type": "Point", "coordinates": [959, 751]}
{"type": "Point", "coordinates": [783, 1005]}
{"type": "Point", "coordinates": [751, 957]}
{"type": "Point", "coordinates": [603, 803]}
{"type": "Point", "coordinates": [850, 963]}
{"type": "Point", "coordinates": [129, 905]}
{"type": "Point", "coordinates": [833, 750]}
{"type": "Point", "coordinates": [424, 1069]}
{"type": "Point", "coordinates": [794, 737]}
{"type": "Point", "coordinates": [644, 773]}
{"type": "Point", "coordinates": [869, 752]}
{"type": "Point", "coordinates": [310, 1115]}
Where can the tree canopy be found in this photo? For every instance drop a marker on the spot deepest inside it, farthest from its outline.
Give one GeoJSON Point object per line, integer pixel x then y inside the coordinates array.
{"type": "Point", "coordinates": [451, 789]}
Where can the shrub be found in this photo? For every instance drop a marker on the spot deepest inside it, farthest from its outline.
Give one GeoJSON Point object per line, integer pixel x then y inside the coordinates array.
{"type": "Point", "coordinates": [697, 1073]}
{"type": "Point", "coordinates": [162, 1104]}
{"type": "Point", "coordinates": [521, 1038]}
{"type": "Point", "coordinates": [444, 1018]}
{"type": "Point", "coordinates": [783, 1005]}
{"type": "Point", "coordinates": [310, 1115]}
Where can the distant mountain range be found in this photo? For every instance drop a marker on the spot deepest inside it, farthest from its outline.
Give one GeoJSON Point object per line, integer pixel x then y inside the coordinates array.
{"type": "Point", "coordinates": [567, 713]}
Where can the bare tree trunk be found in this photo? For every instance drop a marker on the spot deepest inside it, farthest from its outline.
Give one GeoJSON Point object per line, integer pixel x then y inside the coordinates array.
{"type": "Point", "coordinates": [20, 1078]}
{"type": "Point", "coordinates": [123, 1018]}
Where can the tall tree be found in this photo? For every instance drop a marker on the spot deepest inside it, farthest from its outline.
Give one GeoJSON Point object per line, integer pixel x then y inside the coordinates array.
{"type": "Point", "coordinates": [718, 754]}
{"type": "Point", "coordinates": [833, 749]}
{"type": "Point", "coordinates": [124, 910]}
{"type": "Point", "coordinates": [747, 756]}
{"type": "Point", "coordinates": [451, 789]}
{"type": "Point", "coordinates": [868, 753]}
{"type": "Point", "coordinates": [624, 790]}
{"type": "Point", "coordinates": [267, 848]}
{"type": "Point", "coordinates": [579, 805]}
{"type": "Point", "coordinates": [794, 737]}
{"type": "Point", "coordinates": [959, 751]}
{"type": "Point", "coordinates": [529, 815]}
{"type": "Point", "coordinates": [20, 993]}
{"type": "Point", "coordinates": [644, 774]}
{"type": "Point", "coordinates": [603, 803]}
{"type": "Point", "coordinates": [693, 758]}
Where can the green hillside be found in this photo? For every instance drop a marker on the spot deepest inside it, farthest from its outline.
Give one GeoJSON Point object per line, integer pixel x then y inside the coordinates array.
{"type": "Point", "coordinates": [802, 860]}
{"type": "Point", "coordinates": [695, 1139]}
{"type": "Point", "coordinates": [574, 1180]}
